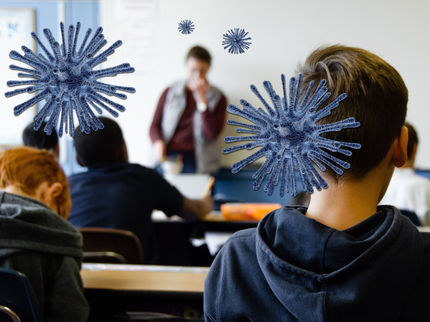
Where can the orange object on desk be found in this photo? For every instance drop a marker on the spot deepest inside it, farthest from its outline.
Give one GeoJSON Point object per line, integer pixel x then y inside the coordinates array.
{"type": "Point", "coordinates": [247, 211]}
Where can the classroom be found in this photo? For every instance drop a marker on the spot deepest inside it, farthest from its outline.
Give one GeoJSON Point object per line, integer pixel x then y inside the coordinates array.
{"type": "Point", "coordinates": [201, 160]}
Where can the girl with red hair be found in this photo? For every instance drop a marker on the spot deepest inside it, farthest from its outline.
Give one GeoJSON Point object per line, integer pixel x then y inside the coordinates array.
{"type": "Point", "coordinates": [35, 237]}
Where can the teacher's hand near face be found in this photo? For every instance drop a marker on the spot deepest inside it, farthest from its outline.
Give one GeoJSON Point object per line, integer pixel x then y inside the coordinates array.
{"type": "Point", "coordinates": [160, 150]}
{"type": "Point", "coordinates": [200, 88]}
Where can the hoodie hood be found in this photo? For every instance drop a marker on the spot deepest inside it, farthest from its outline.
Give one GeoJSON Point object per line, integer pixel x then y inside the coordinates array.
{"type": "Point", "coordinates": [373, 265]}
{"type": "Point", "coordinates": [29, 225]}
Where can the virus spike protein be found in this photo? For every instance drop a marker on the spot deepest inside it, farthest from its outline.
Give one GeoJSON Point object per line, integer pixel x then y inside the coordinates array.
{"type": "Point", "coordinates": [66, 81]}
{"type": "Point", "coordinates": [289, 137]}
{"type": "Point", "coordinates": [236, 41]}
{"type": "Point", "coordinates": [186, 27]}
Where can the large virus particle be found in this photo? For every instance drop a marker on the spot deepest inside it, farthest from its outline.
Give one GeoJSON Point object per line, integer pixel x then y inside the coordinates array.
{"type": "Point", "coordinates": [65, 78]}
{"type": "Point", "coordinates": [186, 27]}
{"type": "Point", "coordinates": [235, 41]}
{"type": "Point", "coordinates": [289, 135]}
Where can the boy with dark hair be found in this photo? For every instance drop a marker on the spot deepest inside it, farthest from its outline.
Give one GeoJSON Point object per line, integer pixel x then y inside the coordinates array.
{"type": "Point", "coordinates": [408, 190]}
{"type": "Point", "coordinates": [113, 193]}
{"type": "Point", "coordinates": [101, 146]}
{"type": "Point", "coordinates": [40, 140]}
{"type": "Point", "coordinates": [343, 258]}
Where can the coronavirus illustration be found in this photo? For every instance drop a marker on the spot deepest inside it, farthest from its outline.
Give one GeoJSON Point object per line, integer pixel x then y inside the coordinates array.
{"type": "Point", "coordinates": [236, 41]}
{"type": "Point", "coordinates": [186, 27]}
{"type": "Point", "coordinates": [66, 80]}
{"type": "Point", "coordinates": [289, 136]}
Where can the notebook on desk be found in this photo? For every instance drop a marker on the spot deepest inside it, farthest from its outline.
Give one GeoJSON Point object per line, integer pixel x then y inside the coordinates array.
{"type": "Point", "coordinates": [193, 186]}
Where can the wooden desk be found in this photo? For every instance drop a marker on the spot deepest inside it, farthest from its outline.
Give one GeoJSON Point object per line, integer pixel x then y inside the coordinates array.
{"type": "Point", "coordinates": [113, 289]}
{"type": "Point", "coordinates": [144, 278]}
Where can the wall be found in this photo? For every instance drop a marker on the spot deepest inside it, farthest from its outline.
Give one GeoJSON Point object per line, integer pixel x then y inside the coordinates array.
{"type": "Point", "coordinates": [48, 14]}
{"type": "Point", "coordinates": [283, 33]}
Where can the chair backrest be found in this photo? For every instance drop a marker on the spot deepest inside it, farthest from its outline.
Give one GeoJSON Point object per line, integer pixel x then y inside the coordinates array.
{"type": "Point", "coordinates": [102, 244]}
{"type": "Point", "coordinates": [17, 299]}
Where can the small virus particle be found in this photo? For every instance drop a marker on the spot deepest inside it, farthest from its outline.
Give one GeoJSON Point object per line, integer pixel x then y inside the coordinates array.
{"type": "Point", "coordinates": [289, 137]}
{"type": "Point", "coordinates": [186, 27]}
{"type": "Point", "coordinates": [65, 79]}
{"type": "Point", "coordinates": [235, 41]}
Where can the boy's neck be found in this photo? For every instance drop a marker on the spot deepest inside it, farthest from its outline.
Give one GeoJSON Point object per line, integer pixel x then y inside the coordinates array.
{"type": "Point", "coordinates": [348, 202]}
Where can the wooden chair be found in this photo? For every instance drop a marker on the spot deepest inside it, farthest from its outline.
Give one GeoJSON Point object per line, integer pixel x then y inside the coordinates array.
{"type": "Point", "coordinates": [108, 245]}
{"type": "Point", "coordinates": [17, 299]}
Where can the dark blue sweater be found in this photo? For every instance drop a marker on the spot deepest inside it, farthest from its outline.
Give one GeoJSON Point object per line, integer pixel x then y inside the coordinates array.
{"type": "Point", "coordinates": [293, 268]}
{"type": "Point", "coordinates": [122, 195]}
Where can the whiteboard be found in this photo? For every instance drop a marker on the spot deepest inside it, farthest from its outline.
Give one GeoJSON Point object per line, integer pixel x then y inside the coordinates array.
{"type": "Point", "coordinates": [283, 33]}
{"type": "Point", "coordinates": [16, 26]}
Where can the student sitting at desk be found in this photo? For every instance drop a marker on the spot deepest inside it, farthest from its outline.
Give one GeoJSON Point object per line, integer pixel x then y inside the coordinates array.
{"type": "Point", "coordinates": [113, 193]}
{"type": "Point", "coordinates": [40, 140]}
{"type": "Point", "coordinates": [408, 190]}
{"type": "Point", "coordinates": [343, 258]}
{"type": "Point", "coordinates": [35, 238]}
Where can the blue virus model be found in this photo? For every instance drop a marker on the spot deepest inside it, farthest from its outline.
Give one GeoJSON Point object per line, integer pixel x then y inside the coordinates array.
{"type": "Point", "coordinates": [289, 137]}
{"type": "Point", "coordinates": [235, 41]}
{"type": "Point", "coordinates": [65, 79]}
{"type": "Point", "coordinates": [186, 27]}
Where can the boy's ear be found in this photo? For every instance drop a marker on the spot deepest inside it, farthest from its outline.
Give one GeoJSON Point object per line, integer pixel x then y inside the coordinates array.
{"type": "Point", "coordinates": [400, 152]}
{"type": "Point", "coordinates": [55, 190]}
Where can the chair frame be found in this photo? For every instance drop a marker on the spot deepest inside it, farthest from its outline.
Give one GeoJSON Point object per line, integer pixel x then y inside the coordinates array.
{"type": "Point", "coordinates": [4, 310]}
{"type": "Point", "coordinates": [94, 245]}
{"type": "Point", "coordinates": [27, 307]}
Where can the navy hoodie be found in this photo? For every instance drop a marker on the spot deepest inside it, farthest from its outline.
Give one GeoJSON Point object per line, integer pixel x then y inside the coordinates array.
{"type": "Point", "coordinates": [293, 268]}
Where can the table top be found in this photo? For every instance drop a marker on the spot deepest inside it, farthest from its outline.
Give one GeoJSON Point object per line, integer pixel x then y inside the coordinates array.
{"type": "Point", "coordinates": [213, 216]}
{"type": "Point", "coordinates": [144, 277]}
{"type": "Point", "coordinates": [424, 229]}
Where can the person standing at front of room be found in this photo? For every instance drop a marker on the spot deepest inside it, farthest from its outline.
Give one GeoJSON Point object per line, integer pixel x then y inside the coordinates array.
{"type": "Point", "coordinates": [189, 117]}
